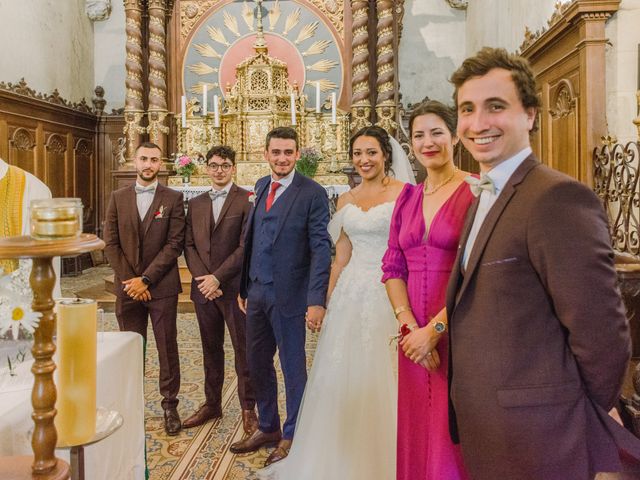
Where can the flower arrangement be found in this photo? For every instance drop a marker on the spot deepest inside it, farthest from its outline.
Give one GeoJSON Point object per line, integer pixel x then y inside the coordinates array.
{"type": "Point", "coordinates": [15, 303]}
{"type": "Point", "coordinates": [184, 165]}
{"type": "Point", "coordinates": [307, 165]}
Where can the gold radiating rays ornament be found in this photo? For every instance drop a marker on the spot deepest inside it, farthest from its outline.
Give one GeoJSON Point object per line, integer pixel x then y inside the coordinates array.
{"type": "Point", "coordinates": [292, 20]}
{"type": "Point", "coordinates": [202, 68]}
{"type": "Point", "coordinates": [322, 65]}
{"type": "Point", "coordinates": [247, 15]}
{"type": "Point", "coordinates": [217, 35]}
{"type": "Point", "coordinates": [325, 84]}
{"type": "Point", "coordinates": [197, 88]}
{"type": "Point", "coordinates": [231, 23]}
{"type": "Point", "coordinates": [317, 48]}
{"type": "Point", "coordinates": [306, 32]}
{"type": "Point", "coordinates": [274, 15]}
{"type": "Point", "coordinates": [206, 50]}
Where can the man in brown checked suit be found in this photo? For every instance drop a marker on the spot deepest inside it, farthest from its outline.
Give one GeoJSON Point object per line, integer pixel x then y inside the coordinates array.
{"type": "Point", "coordinates": [214, 252]}
{"type": "Point", "coordinates": [144, 236]}
{"type": "Point", "coordinates": [539, 338]}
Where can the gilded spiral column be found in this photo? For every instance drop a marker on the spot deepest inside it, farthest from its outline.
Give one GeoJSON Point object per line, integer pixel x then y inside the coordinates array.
{"type": "Point", "coordinates": [134, 105]}
{"type": "Point", "coordinates": [385, 68]}
{"type": "Point", "coordinates": [361, 99]}
{"type": "Point", "coordinates": [157, 73]}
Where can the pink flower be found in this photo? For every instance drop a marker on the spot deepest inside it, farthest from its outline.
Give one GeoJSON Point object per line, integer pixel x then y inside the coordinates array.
{"type": "Point", "coordinates": [184, 161]}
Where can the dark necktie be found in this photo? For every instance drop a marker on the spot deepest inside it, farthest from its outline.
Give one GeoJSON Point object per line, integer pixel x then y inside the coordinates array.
{"type": "Point", "coordinates": [272, 194]}
{"type": "Point", "coordinates": [478, 184]}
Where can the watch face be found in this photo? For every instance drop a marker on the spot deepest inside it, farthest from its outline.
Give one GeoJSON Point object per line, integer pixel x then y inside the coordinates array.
{"type": "Point", "coordinates": [440, 327]}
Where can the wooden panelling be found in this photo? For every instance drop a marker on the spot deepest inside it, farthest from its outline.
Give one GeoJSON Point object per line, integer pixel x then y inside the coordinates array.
{"type": "Point", "coordinates": [569, 62]}
{"type": "Point", "coordinates": [55, 141]}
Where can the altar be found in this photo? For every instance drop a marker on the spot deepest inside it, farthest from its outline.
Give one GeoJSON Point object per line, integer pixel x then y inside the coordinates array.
{"type": "Point", "coordinates": [119, 387]}
{"type": "Point", "coordinates": [188, 192]}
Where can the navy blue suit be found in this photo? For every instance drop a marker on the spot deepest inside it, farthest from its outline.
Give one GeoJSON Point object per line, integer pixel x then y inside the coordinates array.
{"type": "Point", "coordinates": [285, 270]}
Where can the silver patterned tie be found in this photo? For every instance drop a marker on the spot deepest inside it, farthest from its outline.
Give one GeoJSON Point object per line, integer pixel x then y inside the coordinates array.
{"type": "Point", "coordinates": [214, 194]}
{"type": "Point", "coordinates": [478, 184]}
{"type": "Point", "coordinates": [150, 189]}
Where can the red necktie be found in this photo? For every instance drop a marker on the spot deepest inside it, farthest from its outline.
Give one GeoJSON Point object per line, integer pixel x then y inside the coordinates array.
{"type": "Point", "coordinates": [272, 194]}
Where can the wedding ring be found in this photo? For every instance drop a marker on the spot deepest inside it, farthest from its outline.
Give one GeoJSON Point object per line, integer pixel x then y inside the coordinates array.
{"type": "Point", "coordinates": [430, 354]}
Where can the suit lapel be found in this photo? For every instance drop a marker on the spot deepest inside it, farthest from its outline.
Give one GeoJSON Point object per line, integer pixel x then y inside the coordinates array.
{"type": "Point", "coordinates": [204, 233]}
{"type": "Point", "coordinates": [155, 207]}
{"type": "Point", "coordinates": [492, 218]}
{"type": "Point", "coordinates": [295, 187]}
{"type": "Point", "coordinates": [132, 219]}
{"type": "Point", "coordinates": [456, 271]}
{"type": "Point", "coordinates": [233, 191]}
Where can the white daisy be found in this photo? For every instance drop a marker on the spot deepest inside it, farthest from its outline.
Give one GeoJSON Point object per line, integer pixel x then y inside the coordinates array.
{"type": "Point", "coordinates": [15, 314]}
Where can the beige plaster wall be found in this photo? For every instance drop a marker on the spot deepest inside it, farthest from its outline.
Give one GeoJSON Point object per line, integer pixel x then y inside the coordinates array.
{"type": "Point", "coordinates": [622, 70]}
{"type": "Point", "coordinates": [109, 52]}
{"type": "Point", "coordinates": [50, 44]}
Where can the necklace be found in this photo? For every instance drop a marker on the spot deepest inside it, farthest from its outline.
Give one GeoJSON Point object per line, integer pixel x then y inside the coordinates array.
{"type": "Point", "coordinates": [431, 190]}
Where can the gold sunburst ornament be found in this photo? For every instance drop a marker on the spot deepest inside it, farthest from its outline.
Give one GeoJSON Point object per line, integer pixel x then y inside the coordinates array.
{"type": "Point", "coordinates": [247, 15]}
{"type": "Point", "coordinates": [206, 50]}
{"type": "Point", "coordinates": [217, 35]}
{"type": "Point", "coordinates": [292, 20]}
{"type": "Point", "coordinates": [274, 15]}
{"type": "Point", "coordinates": [202, 68]}
{"type": "Point", "coordinates": [306, 32]}
{"type": "Point", "coordinates": [325, 85]}
{"type": "Point", "coordinates": [322, 65]}
{"type": "Point", "coordinates": [231, 23]}
{"type": "Point", "coordinates": [317, 48]}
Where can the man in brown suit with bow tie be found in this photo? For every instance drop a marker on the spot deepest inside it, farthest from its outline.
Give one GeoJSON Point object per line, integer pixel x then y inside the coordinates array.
{"type": "Point", "coordinates": [144, 236]}
{"type": "Point", "coordinates": [538, 334]}
{"type": "Point", "coordinates": [214, 251]}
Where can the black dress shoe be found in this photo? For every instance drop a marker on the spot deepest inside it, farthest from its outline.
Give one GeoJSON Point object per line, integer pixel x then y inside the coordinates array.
{"type": "Point", "coordinates": [255, 441]}
{"type": "Point", "coordinates": [202, 416]}
{"type": "Point", "coordinates": [172, 423]}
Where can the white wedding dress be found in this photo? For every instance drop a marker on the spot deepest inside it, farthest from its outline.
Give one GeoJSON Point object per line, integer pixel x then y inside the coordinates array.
{"type": "Point", "coordinates": [346, 428]}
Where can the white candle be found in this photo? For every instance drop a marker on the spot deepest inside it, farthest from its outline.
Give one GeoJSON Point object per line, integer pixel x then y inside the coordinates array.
{"type": "Point", "coordinates": [216, 111]}
{"type": "Point", "coordinates": [334, 118]}
{"type": "Point", "coordinates": [293, 109]}
{"type": "Point", "coordinates": [183, 106]}
{"type": "Point", "coordinates": [204, 100]}
{"type": "Point", "coordinates": [317, 97]}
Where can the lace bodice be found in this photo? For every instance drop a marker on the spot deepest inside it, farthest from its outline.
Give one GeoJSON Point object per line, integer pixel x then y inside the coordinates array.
{"type": "Point", "coordinates": [367, 230]}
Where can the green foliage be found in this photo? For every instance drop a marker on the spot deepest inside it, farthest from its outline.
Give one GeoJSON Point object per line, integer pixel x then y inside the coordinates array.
{"type": "Point", "coordinates": [307, 165]}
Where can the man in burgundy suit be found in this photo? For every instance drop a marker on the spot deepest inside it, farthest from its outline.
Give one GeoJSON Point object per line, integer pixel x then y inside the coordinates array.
{"type": "Point", "coordinates": [539, 342]}
{"type": "Point", "coordinates": [214, 251]}
{"type": "Point", "coordinates": [144, 236]}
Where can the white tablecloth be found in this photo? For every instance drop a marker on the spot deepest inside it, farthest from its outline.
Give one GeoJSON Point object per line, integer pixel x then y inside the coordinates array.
{"type": "Point", "coordinates": [119, 387]}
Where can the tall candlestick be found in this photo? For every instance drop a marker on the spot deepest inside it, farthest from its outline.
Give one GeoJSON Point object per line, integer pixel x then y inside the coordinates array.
{"type": "Point", "coordinates": [183, 106]}
{"type": "Point", "coordinates": [317, 97]}
{"type": "Point", "coordinates": [204, 100]}
{"type": "Point", "coordinates": [76, 344]}
{"type": "Point", "coordinates": [334, 118]}
{"type": "Point", "coordinates": [216, 111]}
{"type": "Point", "coordinates": [293, 109]}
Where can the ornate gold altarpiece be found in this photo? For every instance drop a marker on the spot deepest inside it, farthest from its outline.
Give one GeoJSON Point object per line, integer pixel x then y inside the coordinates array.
{"type": "Point", "coordinates": [260, 100]}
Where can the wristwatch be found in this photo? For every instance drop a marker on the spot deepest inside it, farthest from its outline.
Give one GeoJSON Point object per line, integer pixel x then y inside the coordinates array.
{"type": "Point", "coordinates": [440, 327]}
{"type": "Point", "coordinates": [145, 280]}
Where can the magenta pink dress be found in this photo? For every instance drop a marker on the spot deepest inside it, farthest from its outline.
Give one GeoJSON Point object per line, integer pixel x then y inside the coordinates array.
{"type": "Point", "coordinates": [424, 448]}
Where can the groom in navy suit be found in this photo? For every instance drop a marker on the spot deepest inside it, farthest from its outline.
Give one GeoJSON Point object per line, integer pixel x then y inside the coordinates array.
{"type": "Point", "coordinates": [284, 280]}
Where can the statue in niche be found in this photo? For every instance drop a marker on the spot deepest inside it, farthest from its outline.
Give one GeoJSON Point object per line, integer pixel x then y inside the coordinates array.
{"type": "Point", "coordinates": [98, 10]}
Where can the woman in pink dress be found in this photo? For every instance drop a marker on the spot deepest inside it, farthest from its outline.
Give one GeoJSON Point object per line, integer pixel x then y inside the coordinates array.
{"type": "Point", "coordinates": [423, 242]}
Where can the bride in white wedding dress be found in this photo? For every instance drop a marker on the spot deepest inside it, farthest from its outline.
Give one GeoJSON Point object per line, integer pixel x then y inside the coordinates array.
{"type": "Point", "coordinates": [346, 427]}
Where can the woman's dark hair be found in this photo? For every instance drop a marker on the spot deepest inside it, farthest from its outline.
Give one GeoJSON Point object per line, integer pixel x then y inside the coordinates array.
{"type": "Point", "coordinates": [446, 113]}
{"type": "Point", "coordinates": [381, 135]}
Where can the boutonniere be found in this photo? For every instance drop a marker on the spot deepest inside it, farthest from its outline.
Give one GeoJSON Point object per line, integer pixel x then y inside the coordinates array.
{"type": "Point", "coordinates": [159, 213]}
{"type": "Point", "coordinates": [252, 198]}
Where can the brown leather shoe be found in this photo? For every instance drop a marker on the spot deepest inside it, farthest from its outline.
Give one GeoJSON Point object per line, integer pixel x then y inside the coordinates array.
{"type": "Point", "coordinates": [202, 416]}
{"type": "Point", "coordinates": [249, 421]}
{"type": "Point", "coordinates": [172, 423]}
{"type": "Point", "coordinates": [255, 441]}
{"type": "Point", "coordinates": [281, 451]}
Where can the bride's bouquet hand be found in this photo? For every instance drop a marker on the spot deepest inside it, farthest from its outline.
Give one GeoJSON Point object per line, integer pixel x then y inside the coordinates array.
{"type": "Point", "coordinates": [419, 347]}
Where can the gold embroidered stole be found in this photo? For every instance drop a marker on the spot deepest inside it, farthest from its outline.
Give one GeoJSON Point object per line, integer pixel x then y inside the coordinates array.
{"type": "Point", "coordinates": [11, 194]}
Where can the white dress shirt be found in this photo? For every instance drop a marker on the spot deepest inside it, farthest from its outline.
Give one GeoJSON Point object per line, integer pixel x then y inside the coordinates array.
{"type": "Point", "coordinates": [500, 174]}
{"type": "Point", "coordinates": [284, 184]}
{"type": "Point", "coordinates": [219, 202]}
{"type": "Point", "coordinates": [144, 200]}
